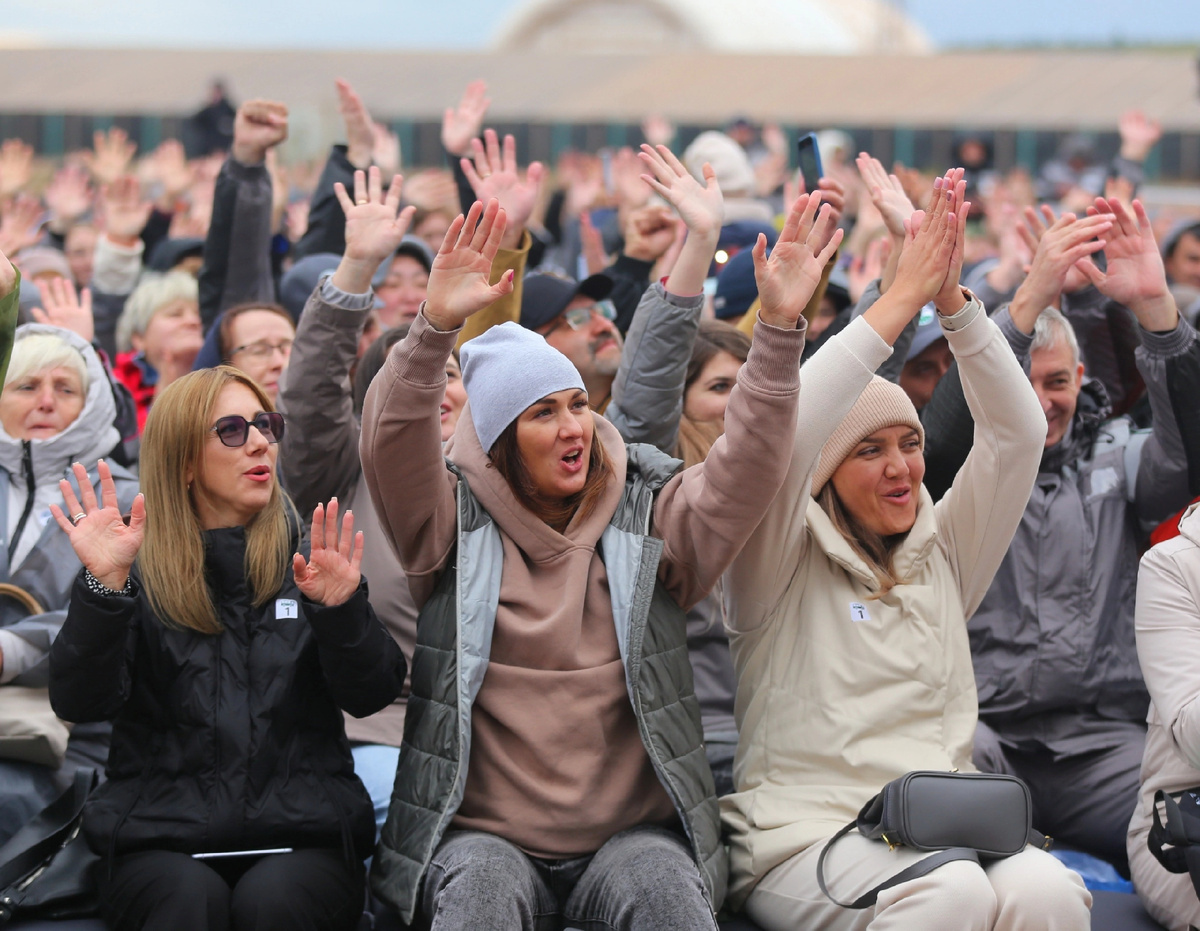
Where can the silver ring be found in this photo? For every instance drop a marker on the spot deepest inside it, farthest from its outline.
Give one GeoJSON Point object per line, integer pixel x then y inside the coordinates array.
{"type": "Point", "coordinates": [359, 203]}
{"type": "Point", "coordinates": [76, 518]}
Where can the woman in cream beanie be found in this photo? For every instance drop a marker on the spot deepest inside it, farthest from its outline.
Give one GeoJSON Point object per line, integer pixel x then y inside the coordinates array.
{"type": "Point", "coordinates": [848, 610]}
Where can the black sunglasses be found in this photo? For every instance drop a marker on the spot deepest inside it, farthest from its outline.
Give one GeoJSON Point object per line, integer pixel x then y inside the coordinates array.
{"type": "Point", "coordinates": [234, 430]}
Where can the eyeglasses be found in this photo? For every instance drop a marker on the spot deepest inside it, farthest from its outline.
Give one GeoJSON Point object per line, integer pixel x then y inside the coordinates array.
{"type": "Point", "coordinates": [579, 317]}
{"type": "Point", "coordinates": [263, 350]}
{"type": "Point", "coordinates": [233, 430]}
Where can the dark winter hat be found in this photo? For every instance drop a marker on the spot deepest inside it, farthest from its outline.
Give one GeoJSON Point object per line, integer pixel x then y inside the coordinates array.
{"type": "Point", "coordinates": [545, 296]}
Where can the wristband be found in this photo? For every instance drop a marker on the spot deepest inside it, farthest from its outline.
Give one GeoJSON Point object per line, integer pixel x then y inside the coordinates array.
{"type": "Point", "coordinates": [96, 587]}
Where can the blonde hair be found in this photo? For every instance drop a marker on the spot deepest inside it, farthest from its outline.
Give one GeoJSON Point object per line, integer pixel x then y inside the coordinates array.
{"type": "Point", "coordinates": [40, 352]}
{"type": "Point", "coordinates": [171, 560]}
{"type": "Point", "coordinates": [873, 548]}
{"type": "Point", "coordinates": [153, 294]}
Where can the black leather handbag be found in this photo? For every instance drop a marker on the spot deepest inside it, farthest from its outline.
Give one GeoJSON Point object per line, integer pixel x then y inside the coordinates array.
{"type": "Point", "coordinates": [1176, 843]}
{"type": "Point", "coordinates": [46, 867]}
{"type": "Point", "coordinates": [962, 816]}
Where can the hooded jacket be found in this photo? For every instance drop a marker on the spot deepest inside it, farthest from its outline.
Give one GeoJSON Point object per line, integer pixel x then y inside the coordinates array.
{"type": "Point", "coordinates": [231, 741]}
{"type": "Point", "coordinates": [35, 554]}
{"type": "Point", "coordinates": [842, 689]}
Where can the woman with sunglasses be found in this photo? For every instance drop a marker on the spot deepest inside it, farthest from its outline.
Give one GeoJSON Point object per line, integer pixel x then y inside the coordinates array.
{"type": "Point", "coordinates": [224, 652]}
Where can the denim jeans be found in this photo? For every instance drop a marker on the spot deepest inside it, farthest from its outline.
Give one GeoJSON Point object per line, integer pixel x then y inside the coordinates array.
{"type": "Point", "coordinates": [375, 765]}
{"type": "Point", "coordinates": [643, 879]}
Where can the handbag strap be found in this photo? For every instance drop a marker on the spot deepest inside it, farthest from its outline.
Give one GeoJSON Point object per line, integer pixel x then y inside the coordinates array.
{"type": "Point", "coordinates": [916, 871]}
{"type": "Point", "coordinates": [49, 828]}
{"type": "Point", "coordinates": [1173, 833]}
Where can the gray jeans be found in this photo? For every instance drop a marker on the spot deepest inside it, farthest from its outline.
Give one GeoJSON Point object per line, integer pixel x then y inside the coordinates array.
{"type": "Point", "coordinates": [643, 879]}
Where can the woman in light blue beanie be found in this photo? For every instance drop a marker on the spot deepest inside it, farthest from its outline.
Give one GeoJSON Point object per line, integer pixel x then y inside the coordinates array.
{"type": "Point", "coordinates": [553, 760]}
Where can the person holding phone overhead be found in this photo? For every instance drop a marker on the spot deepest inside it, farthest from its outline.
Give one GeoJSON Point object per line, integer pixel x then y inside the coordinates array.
{"type": "Point", "coordinates": [223, 650]}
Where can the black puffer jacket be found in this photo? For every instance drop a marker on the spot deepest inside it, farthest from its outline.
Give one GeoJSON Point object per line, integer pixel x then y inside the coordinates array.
{"type": "Point", "coordinates": [233, 741]}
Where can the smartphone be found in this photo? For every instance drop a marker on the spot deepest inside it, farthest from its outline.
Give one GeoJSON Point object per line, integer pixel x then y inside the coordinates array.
{"type": "Point", "coordinates": [810, 160]}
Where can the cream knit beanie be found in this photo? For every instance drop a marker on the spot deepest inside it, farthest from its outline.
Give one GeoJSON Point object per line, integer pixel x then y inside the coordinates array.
{"type": "Point", "coordinates": [882, 404]}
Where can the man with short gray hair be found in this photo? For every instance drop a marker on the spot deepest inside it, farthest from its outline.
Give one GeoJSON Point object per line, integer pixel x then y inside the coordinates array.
{"type": "Point", "coordinates": [1061, 698]}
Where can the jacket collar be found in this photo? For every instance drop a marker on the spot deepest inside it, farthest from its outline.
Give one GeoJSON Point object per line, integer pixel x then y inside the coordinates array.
{"type": "Point", "coordinates": [535, 538]}
{"type": "Point", "coordinates": [908, 558]}
{"type": "Point", "coordinates": [225, 556]}
{"type": "Point", "coordinates": [1091, 410]}
{"type": "Point", "coordinates": [1189, 523]}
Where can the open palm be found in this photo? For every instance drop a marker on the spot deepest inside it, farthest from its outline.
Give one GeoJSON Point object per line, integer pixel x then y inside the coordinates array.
{"type": "Point", "coordinates": [700, 206]}
{"type": "Point", "coordinates": [333, 569]}
{"type": "Point", "coordinates": [458, 282]}
{"type": "Point", "coordinates": [789, 276]}
{"type": "Point", "coordinates": [102, 540]}
{"type": "Point", "coordinates": [373, 226]}
{"type": "Point", "coordinates": [1135, 267]}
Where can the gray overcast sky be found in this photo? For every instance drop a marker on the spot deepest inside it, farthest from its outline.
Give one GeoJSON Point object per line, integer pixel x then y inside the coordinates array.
{"type": "Point", "coordinates": [456, 24]}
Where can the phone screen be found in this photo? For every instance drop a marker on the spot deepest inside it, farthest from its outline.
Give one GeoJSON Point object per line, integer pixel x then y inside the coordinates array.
{"type": "Point", "coordinates": [810, 160]}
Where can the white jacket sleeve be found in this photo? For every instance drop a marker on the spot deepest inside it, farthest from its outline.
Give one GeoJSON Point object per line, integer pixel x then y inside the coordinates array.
{"type": "Point", "coordinates": [830, 383]}
{"type": "Point", "coordinates": [1167, 626]}
{"type": "Point", "coordinates": [117, 268]}
{"type": "Point", "coordinates": [977, 517]}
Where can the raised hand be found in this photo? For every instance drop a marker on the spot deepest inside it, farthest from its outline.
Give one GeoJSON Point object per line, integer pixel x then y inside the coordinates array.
{"type": "Point", "coordinates": [461, 124]}
{"type": "Point", "coordinates": [172, 171]}
{"type": "Point", "coordinates": [385, 150]}
{"type": "Point", "coordinates": [649, 232]}
{"type": "Point", "coordinates": [627, 186]}
{"type": "Point", "coordinates": [887, 194]}
{"type": "Point", "coordinates": [789, 276]}
{"type": "Point", "coordinates": [932, 253]}
{"type": "Point", "coordinates": [1139, 134]}
{"type": "Point", "coordinates": [62, 307]}
{"type": "Point", "coordinates": [68, 197]}
{"type": "Point", "coordinates": [1061, 249]}
{"type": "Point", "coordinates": [333, 569]}
{"type": "Point", "coordinates": [97, 531]}
{"type": "Point", "coordinates": [360, 133]}
{"type": "Point", "coordinates": [125, 212]}
{"type": "Point", "coordinates": [16, 167]}
{"type": "Point", "coordinates": [20, 224]}
{"type": "Point", "coordinates": [1135, 275]}
{"type": "Point", "coordinates": [867, 266]}
{"type": "Point", "coordinates": [701, 206]}
{"type": "Point", "coordinates": [374, 227]}
{"type": "Point", "coordinates": [258, 126]}
{"type": "Point", "coordinates": [111, 154]}
{"type": "Point", "coordinates": [494, 175]}
{"type": "Point", "coordinates": [592, 243]}
{"type": "Point", "coordinates": [658, 130]}
{"type": "Point", "coordinates": [458, 282]}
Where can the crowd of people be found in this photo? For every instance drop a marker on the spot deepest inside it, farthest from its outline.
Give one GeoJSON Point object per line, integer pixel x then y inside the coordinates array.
{"type": "Point", "coordinates": [585, 547]}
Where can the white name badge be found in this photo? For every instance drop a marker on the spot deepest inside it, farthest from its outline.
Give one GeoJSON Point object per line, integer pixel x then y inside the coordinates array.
{"type": "Point", "coordinates": [858, 612]}
{"type": "Point", "coordinates": [286, 608]}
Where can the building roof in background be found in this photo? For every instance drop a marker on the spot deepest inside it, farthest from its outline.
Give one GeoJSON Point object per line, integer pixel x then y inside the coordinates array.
{"type": "Point", "coordinates": [1030, 89]}
{"type": "Point", "coordinates": [780, 26]}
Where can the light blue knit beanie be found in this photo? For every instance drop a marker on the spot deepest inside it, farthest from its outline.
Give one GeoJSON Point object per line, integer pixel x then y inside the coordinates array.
{"type": "Point", "coordinates": [507, 369]}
